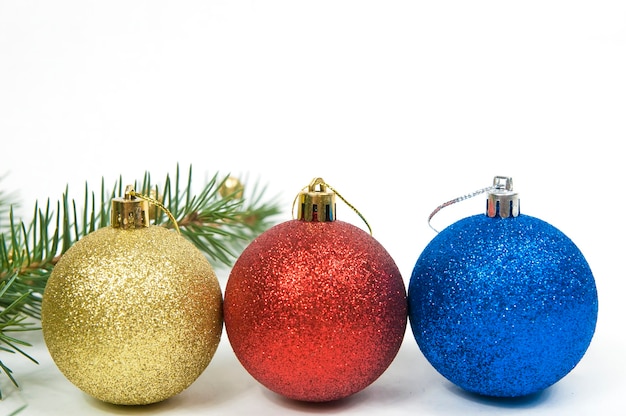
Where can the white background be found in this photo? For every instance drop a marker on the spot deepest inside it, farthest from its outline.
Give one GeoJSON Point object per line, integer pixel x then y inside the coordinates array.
{"type": "Point", "coordinates": [400, 105]}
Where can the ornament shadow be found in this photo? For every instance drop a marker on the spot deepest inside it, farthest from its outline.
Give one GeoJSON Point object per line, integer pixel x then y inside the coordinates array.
{"type": "Point", "coordinates": [223, 381]}
{"type": "Point", "coordinates": [523, 402]}
{"type": "Point", "coordinates": [115, 409]}
{"type": "Point", "coordinates": [380, 394]}
{"type": "Point", "coordinates": [313, 407]}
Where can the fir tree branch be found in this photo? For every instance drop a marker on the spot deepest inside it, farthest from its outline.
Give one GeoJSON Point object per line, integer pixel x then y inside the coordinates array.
{"type": "Point", "coordinates": [7, 200]}
{"type": "Point", "coordinates": [12, 321]}
{"type": "Point", "coordinates": [219, 224]}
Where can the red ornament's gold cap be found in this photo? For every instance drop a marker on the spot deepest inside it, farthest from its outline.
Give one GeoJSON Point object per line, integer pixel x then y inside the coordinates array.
{"type": "Point", "coordinates": [317, 205]}
{"type": "Point", "coordinates": [130, 212]}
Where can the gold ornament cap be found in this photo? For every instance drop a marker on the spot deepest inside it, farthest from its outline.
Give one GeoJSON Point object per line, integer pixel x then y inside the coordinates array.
{"type": "Point", "coordinates": [502, 201]}
{"type": "Point", "coordinates": [130, 212]}
{"type": "Point", "coordinates": [317, 205]}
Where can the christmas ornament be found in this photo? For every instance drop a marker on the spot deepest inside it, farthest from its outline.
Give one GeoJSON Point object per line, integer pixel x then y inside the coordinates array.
{"type": "Point", "coordinates": [315, 308]}
{"type": "Point", "coordinates": [502, 304]}
{"type": "Point", "coordinates": [132, 313]}
{"type": "Point", "coordinates": [232, 186]}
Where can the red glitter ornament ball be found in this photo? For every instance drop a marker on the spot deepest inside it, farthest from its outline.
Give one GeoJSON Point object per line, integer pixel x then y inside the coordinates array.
{"type": "Point", "coordinates": [315, 311]}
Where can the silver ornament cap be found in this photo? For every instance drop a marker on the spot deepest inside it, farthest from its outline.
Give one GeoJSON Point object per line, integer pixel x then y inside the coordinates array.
{"type": "Point", "coordinates": [502, 201]}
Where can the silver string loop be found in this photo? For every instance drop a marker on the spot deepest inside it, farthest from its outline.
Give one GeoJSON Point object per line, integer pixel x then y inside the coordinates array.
{"type": "Point", "coordinates": [454, 201]}
{"type": "Point", "coordinates": [502, 201]}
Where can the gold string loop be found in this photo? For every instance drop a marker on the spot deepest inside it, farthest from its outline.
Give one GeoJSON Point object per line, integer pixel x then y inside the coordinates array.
{"type": "Point", "coordinates": [351, 207]}
{"type": "Point", "coordinates": [157, 203]}
{"type": "Point", "coordinates": [323, 184]}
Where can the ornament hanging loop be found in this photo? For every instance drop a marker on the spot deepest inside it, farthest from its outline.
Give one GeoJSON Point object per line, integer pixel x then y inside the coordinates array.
{"type": "Point", "coordinates": [319, 205]}
{"type": "Point", "coordinates": [501, 200]}
{"type": "Point", "coordinates": [454, 201]}
{"type": "Point", "coordinates": [132, 210]}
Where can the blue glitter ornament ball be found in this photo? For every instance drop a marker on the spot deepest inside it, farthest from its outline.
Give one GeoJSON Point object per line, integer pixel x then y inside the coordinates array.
{"type": "Point", "coordinates": [502, 307]}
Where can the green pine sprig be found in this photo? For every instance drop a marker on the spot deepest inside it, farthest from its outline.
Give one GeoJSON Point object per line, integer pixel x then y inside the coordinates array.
{"type": "Point", "coordinates": [219, 224]}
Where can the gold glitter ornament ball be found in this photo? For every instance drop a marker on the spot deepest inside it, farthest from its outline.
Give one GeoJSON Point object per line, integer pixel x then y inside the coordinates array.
{"type": "Point", "coordinates": [132, 316]}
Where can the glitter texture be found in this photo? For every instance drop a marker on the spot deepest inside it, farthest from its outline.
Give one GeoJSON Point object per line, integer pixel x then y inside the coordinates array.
{"type": "Point", "coordinates": [315, 311]}
{"type": "Point", "coordinates": [502, 307]}
{"type": "Point", "coordinates": [132, 316]}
